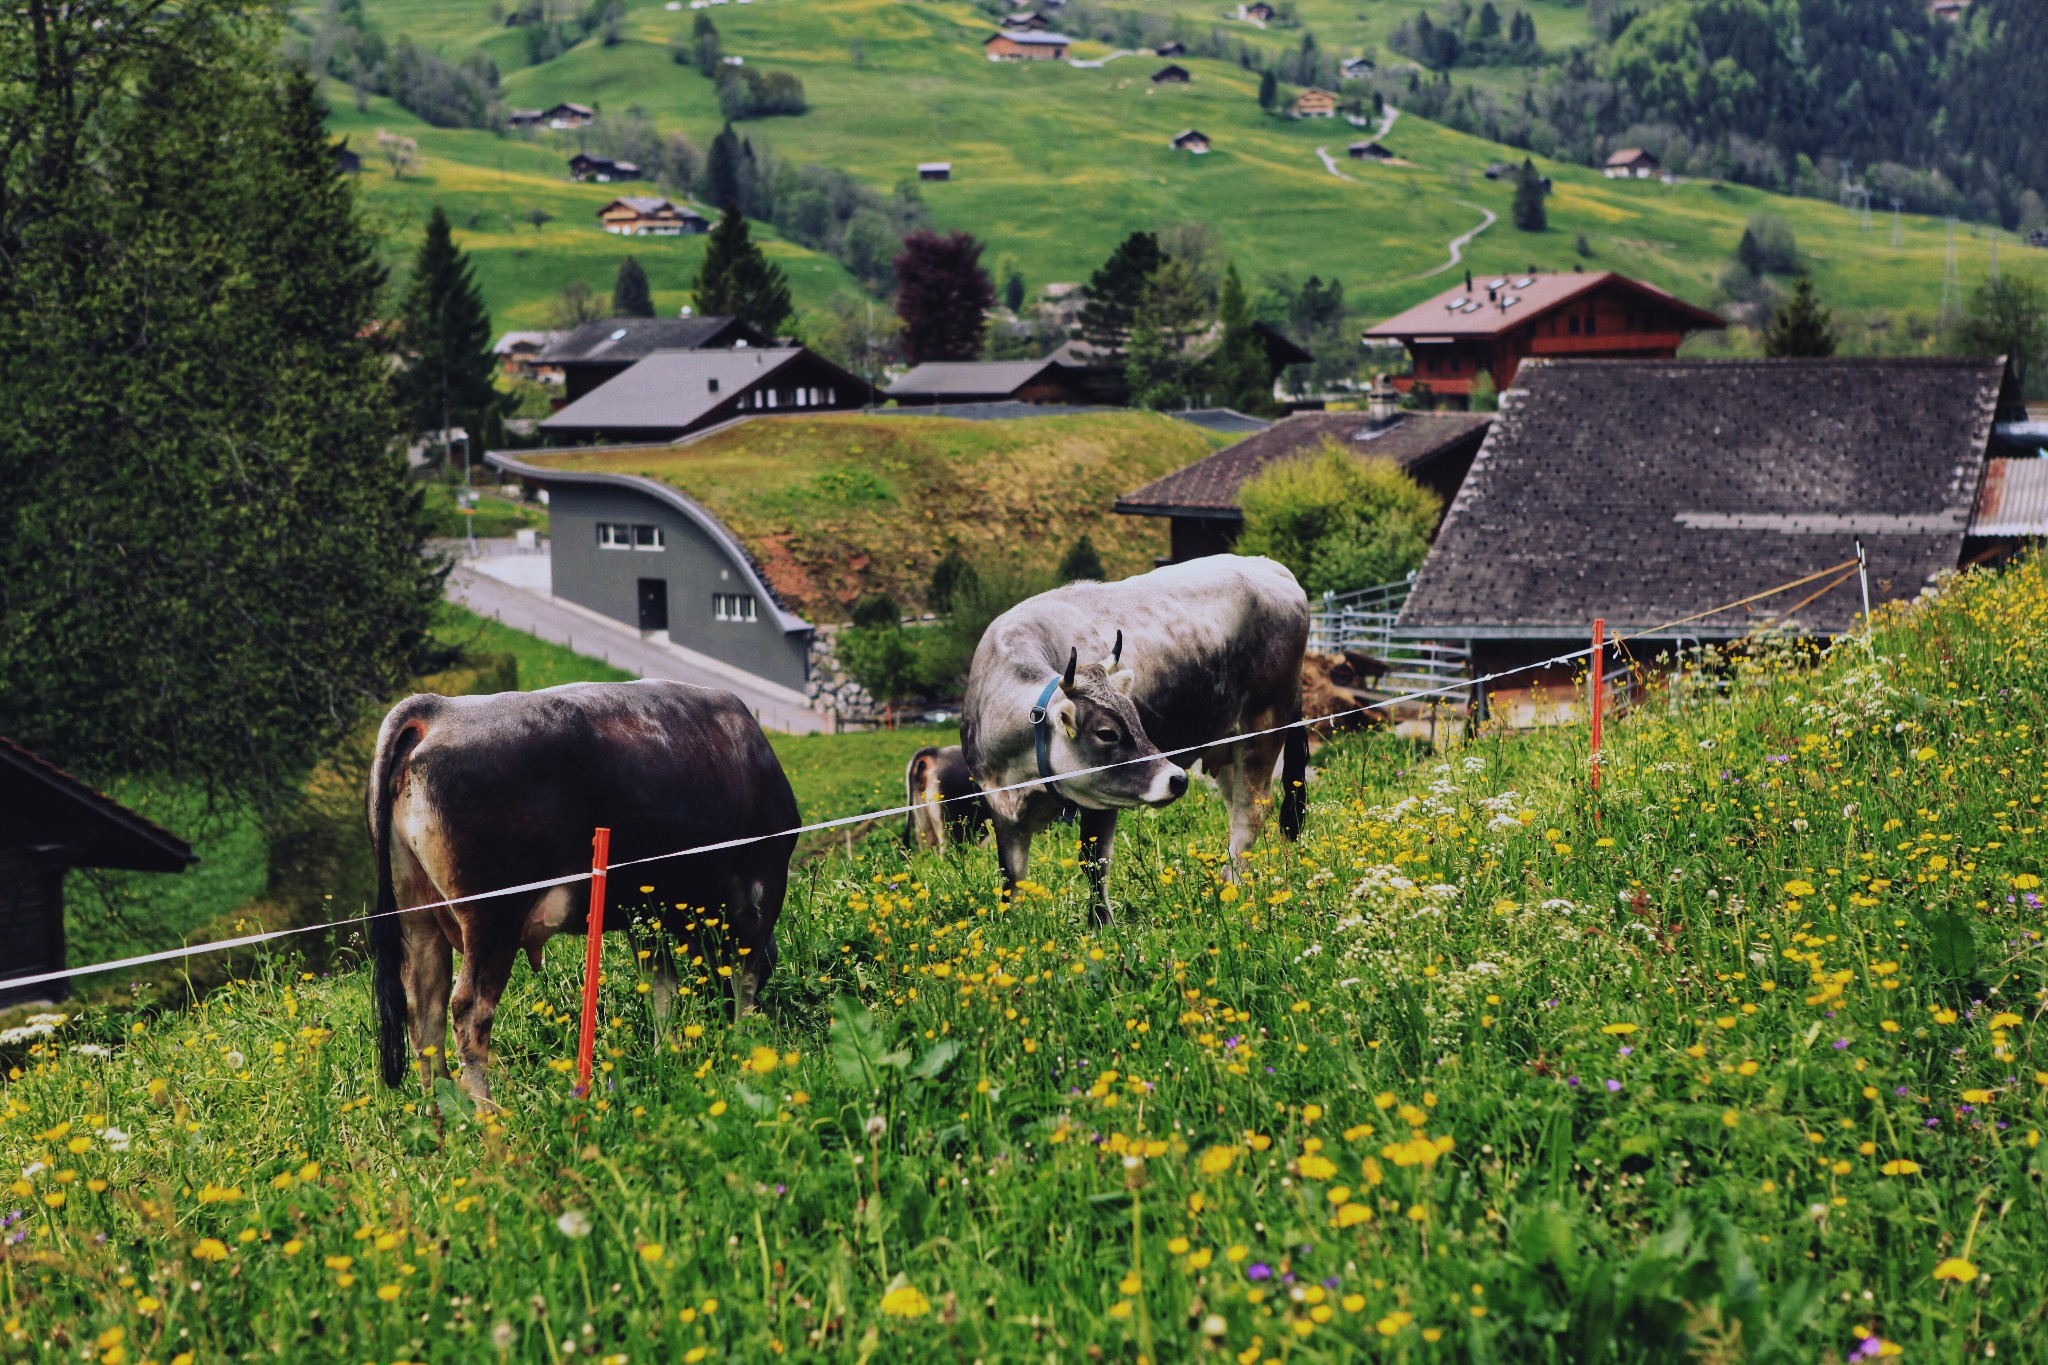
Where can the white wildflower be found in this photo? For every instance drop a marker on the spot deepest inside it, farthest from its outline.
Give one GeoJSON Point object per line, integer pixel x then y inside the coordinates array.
{"type": "Point", "coordinates": [574, 1223]}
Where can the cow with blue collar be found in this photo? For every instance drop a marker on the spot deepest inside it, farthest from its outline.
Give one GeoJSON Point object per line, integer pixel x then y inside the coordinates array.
{"type": "Point", "coordinates": [1193, 660]}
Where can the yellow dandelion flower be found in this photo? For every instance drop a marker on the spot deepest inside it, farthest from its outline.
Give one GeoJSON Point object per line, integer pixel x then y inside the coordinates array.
{"type": "Point", "coordinates": [210, 1249]}
{"type": "Point", "coordinates": [1620, 1030]}
{"type": "Point", "coordinates": [1977, 1096]}
{"type": "Point", "coordinates": [764, 1060]}
{"type": "Point", "coordinates": [1900, 1167]}
{"type": "Point", "coordinates": [387, 1292]}
{"type": "Point", "coordinates": [1393, 1322]}
{"type": "Point", "coordinates": [905, 1302]}
{"type": "Point", "coordinates": [1957, 1269]}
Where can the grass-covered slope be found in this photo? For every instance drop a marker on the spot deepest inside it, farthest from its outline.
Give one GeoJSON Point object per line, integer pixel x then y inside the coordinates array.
{"type": "Point", "coordinates": [837, 506]}
{"type": "Point", "coordinates": [1741, 1064]}
{"type": "Point", "coordinates": [1053, 163]}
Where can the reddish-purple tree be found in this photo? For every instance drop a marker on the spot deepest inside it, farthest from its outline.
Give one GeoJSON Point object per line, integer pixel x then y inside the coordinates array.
{"type": "Point", "coordinates": [943, 296]}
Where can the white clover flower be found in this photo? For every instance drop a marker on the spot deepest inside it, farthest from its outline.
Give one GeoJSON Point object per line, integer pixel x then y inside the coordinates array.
{"type": "Point", "coordinates": [92, 1050]}
{"type": "Point", "coordinates": [115, 1138]}
{"type": "Point", "coordinates": [574, 1223]}
{"type": "Point", "coordinates": [234, 1060]}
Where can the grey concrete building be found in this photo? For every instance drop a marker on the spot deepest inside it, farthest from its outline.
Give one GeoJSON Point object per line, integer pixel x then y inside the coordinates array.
{"type": "Point", "coordinates": [649, 556]}
{"type": "Point", "coordinates": [673, 393]}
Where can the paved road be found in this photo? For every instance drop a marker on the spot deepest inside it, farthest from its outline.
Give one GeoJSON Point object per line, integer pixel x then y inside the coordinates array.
{"type": "Point", "coordinates": [616, 645]}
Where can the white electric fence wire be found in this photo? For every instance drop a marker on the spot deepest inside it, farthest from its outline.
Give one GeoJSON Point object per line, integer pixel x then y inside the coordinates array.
{"type": "Point", "coordinates": [15, 983]}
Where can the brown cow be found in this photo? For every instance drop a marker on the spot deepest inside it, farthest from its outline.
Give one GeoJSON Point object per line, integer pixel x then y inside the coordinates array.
{"type": "Point", "coordinates": [471, 794]}
{"type": "Point", "coordinates": [947, 805]}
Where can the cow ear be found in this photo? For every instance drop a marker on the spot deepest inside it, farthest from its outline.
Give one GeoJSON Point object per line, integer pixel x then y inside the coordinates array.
{"type": "Point", "coordinates": [1124, 681]}
{"type": "Point", "coordinates": [1073, 662]}
{"type": "Point", "coordinates": [1063, 713]}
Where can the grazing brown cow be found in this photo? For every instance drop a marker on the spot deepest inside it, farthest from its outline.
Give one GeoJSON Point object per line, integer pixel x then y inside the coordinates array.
{"type": "Point", "coordinates": [947, 805]}
{"type": "Point", "coordinates": [471, 794]}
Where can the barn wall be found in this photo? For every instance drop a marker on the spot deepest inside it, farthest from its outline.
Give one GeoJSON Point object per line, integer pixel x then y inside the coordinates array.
{"type": "Point", "coordinates": [692, 564]}
{"type": "Point", "coordinates": [31, 923]}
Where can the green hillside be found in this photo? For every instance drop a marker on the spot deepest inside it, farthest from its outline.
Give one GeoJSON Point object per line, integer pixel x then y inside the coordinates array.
{"type": "Point", "coordinates": [1054, 163]}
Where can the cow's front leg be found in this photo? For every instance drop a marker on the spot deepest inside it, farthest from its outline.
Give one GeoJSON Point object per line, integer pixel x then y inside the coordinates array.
{"type": "Point", "coordinates": [487, 959]}
{"type": "Point", "coordinates": [426, 964]}
{"type": "Point", "coordinates": [1098, 845]}
{"type": "Point", "coordinates": [1013, 850]}
{"type": "Point", "coordinates": [658, 961]}
{"type": "Point", "coordinates": [1243, 800]}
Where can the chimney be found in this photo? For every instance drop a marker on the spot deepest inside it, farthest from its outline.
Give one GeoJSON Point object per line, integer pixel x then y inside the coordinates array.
{"type": "Point", "coordinates": [1383, 402]}
{"type": "Point", "coordinates": [1490, 296]}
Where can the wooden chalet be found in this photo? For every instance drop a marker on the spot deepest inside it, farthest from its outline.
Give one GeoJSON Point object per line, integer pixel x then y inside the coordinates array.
{"type": "Point", "coordinates": [567, 115]}
{"type": "Point", "coordinates": [1491, 326]}
{"type": "Point", "coordinates": [1173, 49]}
{"type": "Point", "coordinates": [50, 822]}
{"type": "Point", "coordinates": [1631, 163]}
{"type": "Point", "coordinates": [1368, 151]}
{"type": "Point", "coordinates": [1027, 21]}
{"type": "Point", "coordinates": [650, 216]}
{"type": "Point", "coordinates": [934, 170]}
{"type": "Point", "coordinates": [1026, 46]}
{"type": "Point", "coordinates": [939, 382]}
{"type": "Point", "coordinates": [601, 169]}
{"type": "Point", "coordinates": [673, 393]}
{"type": "Point", "coordinates": [1315, 103]}
{"type": "Point", "coordinates": [1171, 74]}
{"type": "Point", "coordinates": [1258, 12]}
{"type": "Point", "coordinates": [1193, 140]}
{"type": "Point", "coordinates": [598, 352]}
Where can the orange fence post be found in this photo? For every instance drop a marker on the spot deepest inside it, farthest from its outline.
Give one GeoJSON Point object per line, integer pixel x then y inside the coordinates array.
{"type": "Point", "coordinates": [600, 852]}
{"type": "Point", "coordinates": [1597, 689]}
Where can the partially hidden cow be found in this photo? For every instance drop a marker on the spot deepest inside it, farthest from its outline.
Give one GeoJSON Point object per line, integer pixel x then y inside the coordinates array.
{"type": "Point", "coordinates": [468, 795]}
{"type": "Point", "coordinates": [945, 804]}
{"type": "Point", "coordinates": [1181, 660]}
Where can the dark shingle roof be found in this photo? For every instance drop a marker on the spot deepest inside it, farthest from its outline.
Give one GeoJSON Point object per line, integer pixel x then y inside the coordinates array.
{"type": "Point", "coordinates": [40, 802]}
{"type": "Point", "coordinates": [1210, 485]}
{"type": "Point", "coordinates": [670, 390]}
{"type": "Point", "coordinates": [969, 379]}
{"type": "Point", "coordinates": [621, 341]}
{"type": "Point", "coordinates": [1646, 490]}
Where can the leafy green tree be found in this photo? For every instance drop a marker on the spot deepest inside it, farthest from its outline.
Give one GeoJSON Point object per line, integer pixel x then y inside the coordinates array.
{"type": "Point", "coordinates": [1338, 521]}
{"type": "Point", "coordinates": [446, 335]}
{"type": "Point", "coordinates": [705, 48]}
{"type": "Point", "coordinates": [1237, 375]}
{"type": "Point", "coordinates": [631, 297]}
{"type": "Point", "coordinates": [1529, 213]}
{"type": "Point", "coordinates": [1114, 290]}
{"type": "Point", "coordinates": [737, 279]}
{"type": "Point", "coordinates": [1484, 395]}
{"type": "Point", "coordinates": [952, 578]}
{"type": "Point", "coordinates": [943, 296]}
{"type": "Point", "coordinates": [1768, 246]}
{"type": "Point", "coordinates": [2007, 316]}
{"type": "Point", "coordinates": [1171, 313]}
{"type": "Point", "coordinates": [211, 564]}
{"type": "Point", "coordinates": [1082, 561]}
{"type": "Point", "coordinates": [1802, 326]}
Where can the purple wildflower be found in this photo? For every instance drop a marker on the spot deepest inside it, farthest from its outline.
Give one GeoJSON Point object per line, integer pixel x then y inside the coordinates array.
{"type": "Point", "coordinates": [1613, 1087]}
{"type": "Point", "coordinates": [1258, 1270]}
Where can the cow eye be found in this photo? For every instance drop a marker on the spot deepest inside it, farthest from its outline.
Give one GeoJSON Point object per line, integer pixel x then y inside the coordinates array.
{"type": "Point", "coordinates": [1106, 735]}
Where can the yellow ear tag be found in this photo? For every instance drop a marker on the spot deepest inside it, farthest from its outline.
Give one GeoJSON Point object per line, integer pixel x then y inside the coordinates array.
{"type": "Point", "coordinates": [1070, 731]}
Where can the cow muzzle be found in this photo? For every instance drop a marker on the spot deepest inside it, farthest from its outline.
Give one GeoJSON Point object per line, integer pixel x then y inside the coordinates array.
{"type": "Point", "coordinates": [1169, 784]}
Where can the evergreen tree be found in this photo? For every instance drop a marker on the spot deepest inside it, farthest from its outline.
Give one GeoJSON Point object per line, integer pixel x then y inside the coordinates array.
{"type": "Point", "coordinates": [1171, 312]}
{"type": "Point", "coordinates": [631, 298]}
{"type": "Point", "coordinates": [1802, 327]}
{"type": "Point", "coordinates": [1529, 213]}
{"type": "Point", "coordinates": [1013, 291]}
{"type": "Point", "coordinates": [446, 334]}
{"type": "Point", "coordinates": [723, 170]}
{"type": "Point", "coordinates": [943, 296]}
{"type": "Point", "coordinates": [1238, 376]}
{"type": "Point", "coordinates": [1114, 289]}
{"type": "Point", "coordinates": [1269, 89]}
{"type": "Point", "coordinates": [705, 44]}
{"type": "Point", "coordinates": [1082, 562]}
{"type": "Point", "coordinates": [953, 578]}
{"type": "Point", "coordinates": [737, 280]}
{"type": "Point", "coordinates": [211, 564]}
{"type": "Point", "coordinates": [2008, 316]}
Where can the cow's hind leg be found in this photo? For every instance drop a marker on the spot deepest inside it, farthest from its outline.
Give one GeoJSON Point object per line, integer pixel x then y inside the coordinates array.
{"type": "Point", "coordinates": [1246, 781]}
{"type": "Point", "coordinates": [489, 948]}
{"type": "Point", "coordinates": [427, 964]}
{"type": "Point", "coordinates": [1098, 845]}
{"type": "Point", "coordinates": [754, 904]}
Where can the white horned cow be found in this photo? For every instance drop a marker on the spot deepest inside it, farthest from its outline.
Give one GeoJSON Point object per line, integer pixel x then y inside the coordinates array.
{"type": "Point", "coordinates": [1192, 657]}
{"type": "Point", "coordinates": [468, 795]}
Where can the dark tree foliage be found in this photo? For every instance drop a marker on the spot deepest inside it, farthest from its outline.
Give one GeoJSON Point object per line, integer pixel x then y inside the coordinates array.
{"type": "Point", "coordinates": [1081, 561]}
{"type": "Point", "coordinates": [952, 579]}
{"type": "Point", "coordinates": [1269, 89]}
{"type": "Point", "coordinates": [211, 567]}
{"type": "Point", "coordinates": [2007, 316]}
{"type": "Point", "coordinates": [1237, 375]}
{"type": "Point", "coordinates": [1114, 290]}
{"type": "Point", "coordinates": [1801, 327]}
{"type": "Point", "coordinates": [749, 92]}
{"type": "Point", "coordinates": [445, 334]}
{"type": "Point", "coordinates": [943, 296]}
{"type": "Point", "coordinates": [631, 298]}
{"type": "Point", "coordinates": [877, 609]}
{"type": "Point", "coordinates": [1528, 210]}
{"type": "Point", "coordinates": [723, 171]}
{"type": "Point", "coordinates": [737, 279]}
{"type": "Point", "coordinates": [1013, 291]}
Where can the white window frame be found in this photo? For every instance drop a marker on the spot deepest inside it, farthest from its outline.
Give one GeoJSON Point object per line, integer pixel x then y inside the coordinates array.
{"type": "Point", "coordinates": [741, 608]}
{"type": "Point", "coordinates": [614, 535]}
{"type": "Point", "coordinates": [656, 539]}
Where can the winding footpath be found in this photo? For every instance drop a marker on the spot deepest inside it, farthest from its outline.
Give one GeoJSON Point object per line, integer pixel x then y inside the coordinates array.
{"type": "Point", "coordinates": [1458, 244]}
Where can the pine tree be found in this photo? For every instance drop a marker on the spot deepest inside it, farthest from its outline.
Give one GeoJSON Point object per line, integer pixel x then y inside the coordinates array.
{"type": "Point", "coordinates": [1802, 327]}
{"type": "Point", "coordinates": [1170, 314]}
{"type": "Point", "coordinates": [1113, 292]}
{"type": "Point", "coordinates": [943, 296]}
{"type": "Point", "coordinates": [1238, 376]}
{"type": "Point", "coordinates": [1082, 561]}
{"type": "Point", "coordinates": [446, 334]}
{"type": "Point", "coordinates": [1269, 89]}
{"type": "Point", "coordinates": [1529, 213]}
{"type": "Point", "coordinates": [739, 281]}
{"type": "Point", "coordinates": [722, 171]}
{"type": "Point", "coordinates": [631, 298]}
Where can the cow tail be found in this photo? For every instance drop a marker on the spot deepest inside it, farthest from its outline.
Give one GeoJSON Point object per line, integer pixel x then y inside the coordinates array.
{"type": "Point", "coordinates": [1294, 782]}
{"type": "Point", "coordinates": [401, 733]}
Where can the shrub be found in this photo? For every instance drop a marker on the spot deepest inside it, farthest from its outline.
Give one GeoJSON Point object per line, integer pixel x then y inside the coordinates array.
{"type": "Point", "coordinates": [1338, 521]}
{"type": "Point", "coordinates": [1082, 561]}
{"type": "Point", "coordinates": [876, 609]}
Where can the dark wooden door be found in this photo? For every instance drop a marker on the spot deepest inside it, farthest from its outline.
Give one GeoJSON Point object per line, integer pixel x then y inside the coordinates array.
{"type": "Point", "coordinates": [654, 604]}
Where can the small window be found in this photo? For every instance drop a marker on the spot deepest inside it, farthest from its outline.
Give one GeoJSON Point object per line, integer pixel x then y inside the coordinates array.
{"type": "Point", "coordinates": [614, 535]}
{"type": "Point", "coordinates": [648, 538]}
{"type": "Point", "coordinates": [831, 397]}
{"type": "Point", "coordinates": [714, 383]}
{"type": "Point", "coordinates": [733, 606]}
{"type": "Point", "coordinates": [1592, 324]}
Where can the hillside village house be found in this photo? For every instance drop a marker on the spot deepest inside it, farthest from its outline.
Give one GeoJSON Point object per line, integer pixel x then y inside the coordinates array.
{"type": "Point", "coordinates": [525, 118]}
{"type": "Point", "coordinates": [652, 558]}
{"type": "Point", "coordinates": [1201, 500]}
{"type": "Point", "coordinates": [649, 216]}
{"type": "Point", "coordinates": [1315, 103]}
{"type": "Point", "coordinates": [1193, 140]}
{"type": "Point", "coordinates": [934, 170]}
{"type": "Point", "coordinates": [518, 353]}
{"type": "Point", "coordinates": [1028, 21]}
{"type": "Point", "coordinates": [50, 822]}
{"type": "Point", "coordinates": [1368, 151]}
{"type": "Point", "coordinates": [1646, 491]}
{"type": "Point", "coordinates": [1171, 75]}
{"type": "Point", "coordinates": [1258, 12]}
{"type": "Point", "coordinates": [1173, 49]}
{"type": "Point", "coordinates": [673, 393]}
{"type": "Point", "coordinates": [584, 167]}
{"type": "Point", "coordinates": [600, 351]}
{"type": "Point", "coordinates": [939, 382]}
{"type": "Point", "coordinates": [1491, 326]}
{"type": "Point", "coordinates": [1027, 47]}
{"type": "Point", "coordinates": [1357, 68]}
{"type": "Point", "coordinates": [1631, 163]}
{"type": "Point", "coordinates": [565, 116]}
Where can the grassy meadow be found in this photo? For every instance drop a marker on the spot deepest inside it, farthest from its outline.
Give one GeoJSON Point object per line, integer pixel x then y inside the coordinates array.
{"type": "Point", "coordinates": [1053, 164]}
{"type": "Point", "coordinates": [1737, 1062]}
{"type": "Point", "coordinates": [835, 506]}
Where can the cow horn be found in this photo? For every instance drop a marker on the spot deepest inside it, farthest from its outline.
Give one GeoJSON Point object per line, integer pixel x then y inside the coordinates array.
{"type": "Point", "coordinates": [1073, 662]}
{"type": "Point", "coordinates": [1116, 655]}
